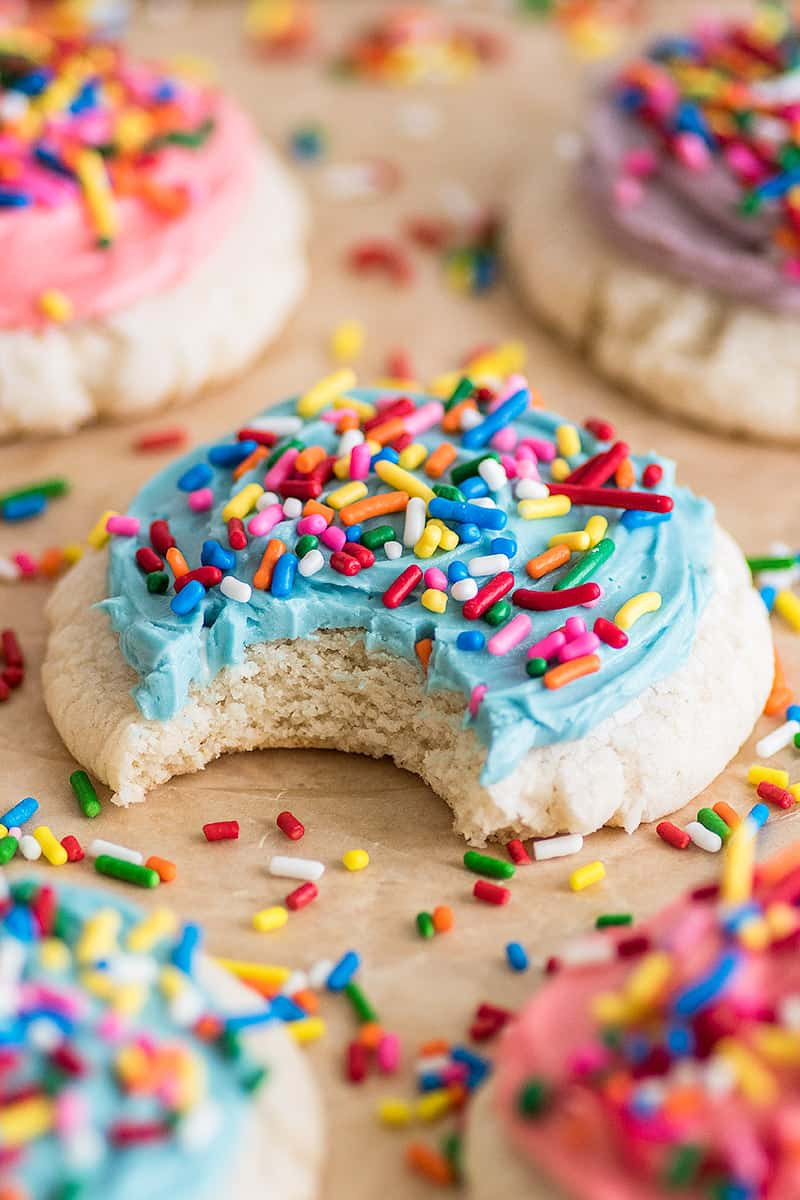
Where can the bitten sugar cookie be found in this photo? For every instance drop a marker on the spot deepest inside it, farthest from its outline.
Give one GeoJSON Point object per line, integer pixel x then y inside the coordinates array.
{"type": "Point", "coordinates": [535, 650]}
{"type": "Point", "coordinates": [151, 245]}
{"type": "Point", "coordinates": [133, 1066]}
{"type": "Point", "coordinates": [671, 252]}
{"type": "Point", "coordinates": [666, 1065]}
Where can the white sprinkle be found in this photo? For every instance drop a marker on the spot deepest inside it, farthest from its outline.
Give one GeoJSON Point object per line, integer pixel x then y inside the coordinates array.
{"type": "Point", "coordinates": [487, 564]}
{"type": "Point", "coordinates": [30, 848]}
{"type": "Point", "coordinates": [492, 474]}
{"type": "Point", "coordinates": [588, 950]}
{"type": "Point", "coordinates": [297, 982]}
{"type": "Point", "coordinates": [84, 1148]}
{"type": "Point", "coordinates": [44, 1034]}
{"type": "Point", "coordinates": [463, 590]}
{"type": "Point", "coordinates": [779, 738]}
{"type": "Point", "coordinates": [318, 973]}
{"type": "Point", "coordinates": [720, 1079]}
{"type": "Point", "coordinates": [310, 563]}
{"type": "Point", "coordinates": [266, 500]}
{"type": "Point", "coordinates": [292, 508]}
{"type": "Point", "coordinates": [431, 1062]}
{"type": "Point", "coordinates": [416, 516]}
{"type": "Point", "coordinates": [418, 120]}
{"type": "Point", "coordinates": [282, 426]}
{"type": "Point", "coordinates": [296, 868]}
{"type": "Point", "coordinates": [557, 847]}
{"type": "Point", "coordinates": [789, 1012]}
{"type": "Point", "coordinates": [133, 968]}
{"type": "Point", "coordinates": [187, 1006]}
{"type": "Point", "coordinates": [9, 571]}
{"type": "Point", "coordinates": [349, 439]}
{"type": "Point", "coordinates": [459, 202]}
{"type": "Point", "coordinates": [469, 418]}
{"type": "Point", "coordinates": [100, 846]}
{"type": "Point", "coordinates": [483, 501]}
{"type": "Point", "coordinates": [235, 589]}
{"type": "Point", "coordinates": [200, 1125]}
{"type": "Point", "coordinates": [392, 549]}
{"type": "Point", "coordinates": [706, 839]}
{"type": "Point", "coordinates": [532, 489]}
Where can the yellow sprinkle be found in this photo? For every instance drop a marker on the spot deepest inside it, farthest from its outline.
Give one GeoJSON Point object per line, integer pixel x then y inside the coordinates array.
{"type": "Point", "coordinates": [171, 981]}
{"type": "Point", "coordinates": [355, 860]}
{"type": "Point", "coordinates": [413, 456]}
{"type": "Point", "coordinates": [269, 919]}
{"type": "Point", "coordinates": [363, 408]}
{"type": "Point", "coordinates": [129, 999]}
{"type": "Point", "coordinates": [3, 831]}
{"type": "Point", "coordinates": [99, 535]}
{"type": "Point", "coordinates": [787, 605]}
{"type": "Point", "coordinates": [646, 985]}
{"type": "Point", "coordinates": [433, 1105]}
{"type": "Point", "coordinates": [266, 973]}
{"type": "Point", "coordinates": [325, 392]}
{"type": "Point", "coordinates": [548, 506]}
{"type": "Point", "coordinates": [309, 1029]}
{"type": "Point", "coordinates": [794, 788]}
{"type": "Point", "coordinates": [754, 935]}
{"type": "Point", "coordinates": [429, 542]}
{"type": "Point", "coordinates": [609, 1008]}
{"type": "Point", "coordinates": [24, 1121]}
{"type": "Point", "coordinates": [758, 774]}
{"type": "Point", "coordinates": [757, 1084]}
{"type": "Point", "coordinates": [636, 607]}
{"type": "Point", "coordinates": [444, 385]}
{"type": "Point", "coordinates": [347, 341]}
{"type": "Point", "coordinates": [394, 1112]}
{"type": "Point", "coordinates": [782, 919]}
{"type": "Point", "coordinates": [568, 441]}
{"type": "Point", "coordinates": [403, 481]}
{"type": "Point", "coordinates": [596, 528]}
{"type": "Point", "coordinates": [73, 552]}
{"type": "Point", "coordinates": [54, 955]}
{"type": "Point", "coordinates": [91, 171]}
{"type": "Point", "coordinates": [559, 470]}
{"type": "Point", "coordinates": [584, 877]}
{"type": "Point", "coordinates": [450, 538]}
{"type": "Point", "coordinates": [501, 361]}
{"type": "Point", "coordinates": [243, 502]}
{"type": "Point", "coordinates": [738, 865]}
{"type": "Point", "coordinates": [52, 849]}
{"type": "Point", "coordinates": [781, 1046]}
{"type": "Point", "coordinates": [577, 540]}
{"type": "Point", "coordinates": [404, 385]}
{"type": "Point", "coordinates": [56, 306]}
{"type": "Point", "coordinates": [161, 922]}
{"type": "Point", "coordinates": [99, 935]}
{"type": "Point", "coordinates": [434, 600]}
{"type": "Point", "coordinates": [348, 494]}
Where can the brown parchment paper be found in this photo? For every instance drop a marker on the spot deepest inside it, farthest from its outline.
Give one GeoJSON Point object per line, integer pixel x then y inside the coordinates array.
{"type": "Point", "coordinates": [489, 129]}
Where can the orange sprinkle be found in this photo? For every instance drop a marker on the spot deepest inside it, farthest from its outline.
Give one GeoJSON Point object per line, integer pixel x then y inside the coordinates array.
{"type": "Point", "coordinates": [370, 1034]}
{"type": "Point", "coordinates": [347, 421]}
{"type": "Point", "coordinates": [443, 919]}
{"type": "Point", "coordinates": [728, 814]}
{"type": "Point", "coordinates": [440, 460]}
{"type": "Point", "coordinates": [307, 999]}
{"type": "Point", "coordinates": [165, 869]}
{"type": "Point", "coordinates": [251, 461]}
{"type": "Point", "coordinates": [781, 695]}
{"type": "Point", "coordinates": [458, 1095]}
{"type": "Point", "coordinates": [451, 421]}
{"type": "Point", "coordinates": [324, 510]}
{"type": "Point", "coordinates": [263, 576]}
{"type": "Point", "coordinates": [52, 562]}
{"type": "Point", "coordinates": [779, 866]}
{"type": "Point", "coordinates": [267, 990]}
{"type": "Point", "coordinates": [625, 476]}
{"type": "Point", "coordinates": [424, 649]}
{"type": "Point", "coordinates": [558, 677]}
{"type": "Point", "coordinates": [395, 427]}
{"type": "Point", "coordinates": [309, 458]}
{"type": "Point", "coordinates": [373, 506]}
{"type": "Point", "coordinates": [430, 1163]}
{"type": "Point", "coordinates": [543, 564]}
{"type": "Point", "coordinates": [434, 1048]}
{"type": "Point", "coordinates": [177, 562]}
{"type": "Point", "coordinates": [684, 1102]}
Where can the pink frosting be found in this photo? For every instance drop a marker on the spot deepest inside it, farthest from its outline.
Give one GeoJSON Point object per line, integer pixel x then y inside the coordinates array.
{"type": "Point", "coordinates": [45, 248]}
{"type": "Point", "coordinates": [583, 1143]}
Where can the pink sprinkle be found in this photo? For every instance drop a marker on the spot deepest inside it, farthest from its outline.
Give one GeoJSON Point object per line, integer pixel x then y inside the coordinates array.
{"type": "Point", "coordinates": [509, 465]}
{"type": "Point", "coordinates": [510, 635]}
{"type": "Point", "coordinates": [265, 520]}
{"type": "Point", "coordinates": [524, 453]}
{"type": "Point", "coordinates": [425, 417]}
{"type": "Point", "coordinates": [526, 468]}
{"type": "Point", "coordinates": [201, 500]}
{"type": "Point", "coordinates": [628, 192]}
{"type": "Point", "coordinates": [26, 564]}
{"type": "Point", "coordinates": [505, 439]}
{"type": "Point", "coordinates": [334, 415]}
{"type": "Point", "coordinates": [123, 526]}
{"type": "Point", "coordinates": [387, 1053]}
{"type": "Point", "coordinates": [476, 698]}
{"type": "Point", "coordinates": [692, 151]}
{"type": "Point", "coordinates": [589, 1059]}
{"type": "Point", "coordinates": [333, 537]}
{"type": "Point", "coordinates": [744, 163]}
{"type": "Point", "coordinates": [586, 644]}
{"type": "Point", "coordinates": [640, 163]}
{"type": "Point", "coordinates": [574, 627]}
{"type": "Point", "coordinates": [791, 268]}
{"type": "Point", "coordinates": [454, 1073]}
{"type": "Point", "coordinates": [281, 471]}
{"type": "Point", "coordinates": [434, 578]}
{"type": "Point", "coordinates": [549, 646]}
{"type": "Point", "coordinates": [360, 458]}
{"type": "Point", "coordinates": [314, 524]}
{"type": "Point", "coordinates": [112, 1027]}
{"type": "Point", "coordinates": [70, 1111]}
{"type": "Point", "coordinates": [544, 451]}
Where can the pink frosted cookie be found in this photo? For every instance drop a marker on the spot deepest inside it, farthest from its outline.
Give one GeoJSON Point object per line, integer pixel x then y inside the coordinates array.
{"type": "Point", "coordinates": [151, 245]}
{"type": "Point", "coordinates": [668, 1065]}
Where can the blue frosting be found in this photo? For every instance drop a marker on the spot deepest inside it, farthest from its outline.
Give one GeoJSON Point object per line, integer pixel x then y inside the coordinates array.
{"type": "Point", "coordinates": [672, 556]}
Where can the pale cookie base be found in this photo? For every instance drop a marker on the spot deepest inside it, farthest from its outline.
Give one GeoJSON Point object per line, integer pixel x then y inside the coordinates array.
{"type": "Point", "coordinates": [166, 348]}
{"type": "Point", "coordinates": [717, 363]}
{"type": "Point", "coordinates": [330, 692]}
{"type": "Point", "coordinates": [493, 1167]}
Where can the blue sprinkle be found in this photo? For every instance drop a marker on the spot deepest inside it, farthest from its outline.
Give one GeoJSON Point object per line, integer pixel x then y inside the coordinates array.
{"type": "Point", "coordinates": [32, 84]}
{"type": "Point", "coordinates": [230, 454]}
{"type": "Point", "coordinates": [733, 919]}
{"type": "Point", "coordinates": [283, 574]}
{"type": "Point", "coordinates": [20, 813]}
{"type": "Point", "coordinates": [198, 476]}
{"type": "Point", "coordinates": [187, 599]}
{"type": "Point", "coordinates": [508, 411]}
{"type": "Point", "coordinates": [758, 813]}
{"type": "Point", "coordinates": [708, 988]}
{"type": "Point", "coordinates": [354, 532]}
{"type": "Point", "coordinates": [468, 533]}
{"type": "Point", "coordinates": [779, 185]}
{"type": "Point", "coordinates": [456, 571]}
{"type": "Point", "coordinates": [213, 554]}
{"type": "Point", "coordinates": [429, 1081]}
{"type": "Point", "coordinates": [474, 487]}
{"type": "Point", "coordinates": [344, 970]}
{"type": "Point", "coordinates": [471, 639]}
{"type": "Point", "coordinates": [474, 514]}
{"type": "Point", "coordinates": [20, 923]}
{"type": "Point", "coordinates": [387, 454]}
{"type": "Point", "coordinates": [184, 952]}
{"type": "Point", "coordinates": [680, 1041]}
{"type": "Point", "coordinates": [48, 157]}
{"type": "Point", "coordinates": [792, 714]}
{"type": "Point", "coordinates": [517, 957]}
{"type": "Point", "coordinates": [478, 1067]}
{"type": "Point", "coordinates": [285, 1009]}
{"type": "Point", "coordinates": [504, 545]}
{"type": "Point", "coordinates": [768, 595]}
{"type": "Point", "coordinates": [634, 519]}
{"type": "Point", "coordinates": [249, 1020]}
{"type": "Point", "coordinates": [24, 507]}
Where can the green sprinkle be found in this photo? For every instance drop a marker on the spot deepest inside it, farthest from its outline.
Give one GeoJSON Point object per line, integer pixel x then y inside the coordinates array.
{"type": "Point", "coordinates": [715, 823]}
{"type": "Point", "coordinates": [157, 581]}
{"type": "Point", "coordinates": [281, 448]}
{"type": "Point", "coordinates": [797, 740]}
{"type": "Point", "coordinates": [361, 1005]}
{"type": "Point", "coordinates": [8, 848]}
{"type": "Point", "coordinates": [536, 667]}
{"type": "Point", "coordinates": [757, 565]}
{"type": "Point", "coordinates": [57, 486]}
{"type": "Point", "coordinates": [24, 891]}
{"type": "Point", "coordinates": [606, 920]}
{"type": "Point", "coordinates": [682, 1165]}
{"type": "Point", "coordinates": [447, 493]}
{"type": "Point", "coordinates": [425, 925]}
{"type": "Point", "coordinates": [462, 391]}
{"type": "Point", "coordinates": [373, 539]}
{"type": "Point", "coordinates": [84, 791]}
{"type": "Point", "coordinates": [750, 204]}
{"type": "Point", "coordinates": [585, 567]}
{"type": "Point", "coordinates": [254, 1079]}
{"type": "Point", "coordinates": [534, 1098]}
{"type": "Point", "coordinates": [498, 614]}
{"type": "Point", "coordinates": [128, 872]}
{"type": "Point", "coordinates": [70, 1189]}
{"type": "Point", "coordinates": [468, 469]}
{"type": "Point", "coordinates": [305, 543]}
{"type": "Point", "coordinates": [485, 864]}
{"type": "Point", "coordinates": [451, 1147]}
{"type": "Point", "coordinates": [229, 1044]}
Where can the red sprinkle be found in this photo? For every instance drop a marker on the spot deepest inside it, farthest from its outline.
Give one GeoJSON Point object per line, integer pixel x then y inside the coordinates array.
{"type": "Point", "coordinates": [221, 831]}
{"type": "Point", "coordinates": [147, 560]}
{"type": "Point", "coordinates": [288, 823]}
{"type": "Point", "coordinates": [237, 538]}
{"type": "Point", "coordinates": [402, 587]}
{"type": "Point", "coordinates": [491, 893]}
{"type": "Point", "coordinates": [652, 475]}
{"type": "Point", "coordinates": [399, 365]}
{"type": "Point", "coordinates": [383, 255]}
{"type": "Point", "coordinates": [67, 1059]}
{"type": "Point", "coordinates": [161, 537]}
{"type": "Point", "coordinates": [488, 595]}
{"type": "Point", "coordinates": [671, 834]}
{"type": "Point", "coordinates": [301, 489]}
{"type": "Point", "coordinates": [161, 439]}
{"type": "Point", "coordinates": [549, 601]}
{"type": "Point", "coordinates": [12, 652]}
{"type": "Point", "coordinates": [775, 794]}
{"type": "Point", "coordinates": [602, 497]}
{"type": "Point", "coordinates": [73, 848]}
{"type": "Point", "coordinates": [356, 1062]}
{"type": "Point", "coordinates": [262, 436]}
{"type": "Point", "coordinates": [44, 909]}
{"type": "Point", "coordinates": [13, 676]}
{"type": "Point", "coordinates": [602, 430]}
{"type": "Point", "coordinates": [632, 946]}
{"type": "Point", "coordinates": [208, 576]}
{"type": "Point", "coordinates": [362, 554]}
{"type": "Point", "coordinates": [599, 469]}
{"type": "Point", "coordinates": [302, 896]}
{"type": "Point", "coordinates": [610, 633]}
{"type": "Point", "coordinates": [127, 1133]}
{"type": "Point", "coordinates": [5, 690]}
{"type": "Point", "coordinates": [345, 564]}
{"type": "Point", "coordinates": [517, 853]}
